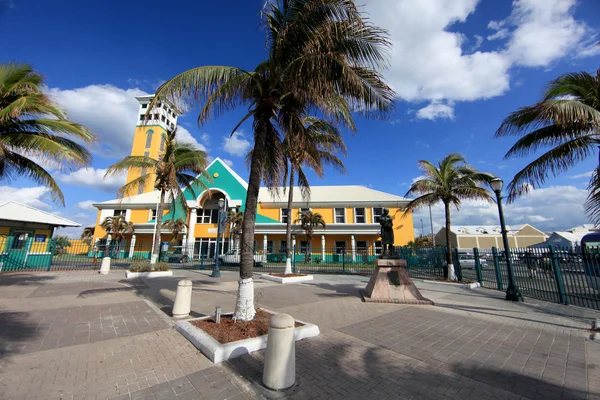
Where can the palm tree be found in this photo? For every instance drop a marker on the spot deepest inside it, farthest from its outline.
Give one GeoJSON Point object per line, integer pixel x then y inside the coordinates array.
{"type": "Point", "coordinates": [117, 227]}
{"type": "Point", "coordinates": [176, 167]}
{"type": "Point", "coordinates": [312, 146]}
{"type": "Point", "coordinates": [567, 120]}
{"type": "Point", "coordinates": [451, 182]}
{"type": "Point", "coordinates": [322, 57]}
{"type": "Point", "coordinates": [31, 125]}
{"type": "Point", "coordinates": [88, 234]}
{"type": "Point", "coordinates": [176, 227]}
{"type": "Point", "coordinates": [60, 245]}
{"type": "Point", "coordinates": [308, 222]}
{"type": "Point", "coordinates": [235, 220]}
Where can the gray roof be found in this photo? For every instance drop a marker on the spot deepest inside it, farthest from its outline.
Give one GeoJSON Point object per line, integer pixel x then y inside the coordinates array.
{"type": "Point", "coordinates": [13, 211]}
{"type": "Point", "coordinates": [332, 194]}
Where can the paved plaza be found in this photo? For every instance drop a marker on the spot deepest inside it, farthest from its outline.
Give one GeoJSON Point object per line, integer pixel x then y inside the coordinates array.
{"type": "Point", "coordinates": [80, 335]}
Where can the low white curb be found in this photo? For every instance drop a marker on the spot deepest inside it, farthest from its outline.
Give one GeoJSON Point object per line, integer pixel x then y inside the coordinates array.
{"type": "Point", "coordinates": [465, 285]}
{"type": "Point", "coordinates": [154, 274]}
{"type": "Point", "coordinates": [218, 352]}
{"type": "Point", "coordinates": [291, 279]}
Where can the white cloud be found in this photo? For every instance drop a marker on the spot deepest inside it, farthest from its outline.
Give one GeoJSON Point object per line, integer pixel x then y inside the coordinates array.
{"type": "Point", "coordinates": [236, 144]}
{"type": "Point", "coordinates": [94, 178]}
{"type": "Point", "coordinates": [428, 62]}
{"type": "Point", "coordinates": [538, 208]}
{"type": "Point", "coordinates": [185, 136]}
{"type": "Point", "coordinates": [31, 196]}
{"type": "Point", "coordinates": [87, 205]}
{"type": "Point", "coordinates": [436, 110]}
{"type": "Point", "coordinates": [587, 174]}
{"type": "Point", "coordinates": [107, 110]}
{"type": "Point", "coordinates": [478, 42]}
{"type": "Point", "coordinates": [420, 143]}
{"type": "Point", "coordinates": [228, 162]}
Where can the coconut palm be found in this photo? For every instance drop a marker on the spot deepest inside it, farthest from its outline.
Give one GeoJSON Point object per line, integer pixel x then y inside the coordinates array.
{"type": "Point", "coordinates": [33, 128]}
{"type": "Point", "coordinates": [88, 234]}
{"type": "Point", "coordinates": [322, 56]}
{"type": "Point", "coordinates": [60, 245]}
{"type": "Point", "coordinates": [567, 123]}
{"type": "Point", "coordinates": [451, 182]}
{"type": "Point", "coordinates": [176, 227]}
{"type": "Point", "coordinates": [313, 145]}
{"type": "Point", "coordinates": [309, 221]}
{"type": "Point", "coordinates": [117, 227]}
{"type": "Point", "coordinates": [235, 220]}
{"type": "Point", "coordinates": [175, 168]}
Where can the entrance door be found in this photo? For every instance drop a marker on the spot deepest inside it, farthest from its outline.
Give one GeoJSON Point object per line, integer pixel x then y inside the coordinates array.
{"type": "Point", "coordinates": [17, 248]}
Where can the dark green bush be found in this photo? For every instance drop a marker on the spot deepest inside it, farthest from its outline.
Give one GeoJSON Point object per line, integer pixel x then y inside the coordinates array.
{"type": "Point", "coordinates": [145, 266]}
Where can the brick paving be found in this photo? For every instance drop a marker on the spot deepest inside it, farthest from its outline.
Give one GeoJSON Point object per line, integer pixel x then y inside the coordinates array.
{"type": "Point", "coordinates": [80, 335]}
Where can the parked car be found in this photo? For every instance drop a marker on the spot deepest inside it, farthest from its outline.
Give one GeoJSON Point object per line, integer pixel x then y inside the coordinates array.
{"type": "Point", "coordinates": [469, 261]}
{"type": "Point", "coordinates": [233, 257]}
{"type": "Point", "coordinates": [178, 255]}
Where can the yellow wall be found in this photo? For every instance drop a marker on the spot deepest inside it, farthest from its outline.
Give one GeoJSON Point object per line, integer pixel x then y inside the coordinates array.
{"type": "Point", "coordinates": [139, 148]}
{"type": "Point", "coordinates": [40, 247]}
{"type": "Point", "coordinates": [79, 246]}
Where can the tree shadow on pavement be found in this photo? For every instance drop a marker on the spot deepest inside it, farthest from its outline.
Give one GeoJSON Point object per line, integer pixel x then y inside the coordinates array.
{"type": "Point", "coordinates": [340, 290]}
{"type": "Point", "coordinates": [25, 279]}
{"type": "Point", "coordinates": [15, 330]}
{"type": "Point", "coordinates": [347, 371]}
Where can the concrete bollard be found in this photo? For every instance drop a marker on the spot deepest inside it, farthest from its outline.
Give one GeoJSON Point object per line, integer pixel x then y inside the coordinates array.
{"type": "Point", "coordinates": [280, 358]}
{"type": "Point", "coordinates": [105, 266]}
{"type": "Point", "coordinates": [183, 299]}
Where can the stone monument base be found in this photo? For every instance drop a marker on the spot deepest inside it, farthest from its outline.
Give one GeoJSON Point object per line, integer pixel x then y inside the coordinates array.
{"type": "Point", "coordinates": [390, 283]}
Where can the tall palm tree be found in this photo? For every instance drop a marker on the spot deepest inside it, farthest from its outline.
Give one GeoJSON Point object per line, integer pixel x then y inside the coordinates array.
{"type": "Point", "coordinates": [117, 227]}
{"type": "Point", "coordinates": [32, 128]}
{"type": "Point", "coordinates": [322, 57]}
{"type": "Point", "coordinates": [175, 168]}
{"type": "Point", "coordinates": [308, 222]}
{"type": "Point", "coordinates": [235, 220]}
{"type": "Point", "coordinates": [176, 227]}
{"type": "Point", "coordinates": [88, 234]}
{"type": "Point", "coordinates": [567, 123]}
{"type": "Point", "coordinates": [313, 145]}
{"type": "Point", "coordinates": [451, 182]}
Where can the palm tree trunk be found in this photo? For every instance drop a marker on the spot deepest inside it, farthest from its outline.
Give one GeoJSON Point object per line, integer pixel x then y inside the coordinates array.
{"type": "Point", "coordinates": [308, 247]}
{"type": "Point", "coordinates": [158, 220]}
{"type": "Point", "coordinates": [244, 307]}
{"type": "Point", "coordinates": [449, 270]}
{"type": "Point", "coordinates": [288, 228]}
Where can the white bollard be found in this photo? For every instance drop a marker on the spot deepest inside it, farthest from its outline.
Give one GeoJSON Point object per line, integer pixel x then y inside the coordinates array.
{"type": "Point", "coordinates": [105, 266]}
{"type": "Point", "coordinates": [280, 358]}
{"type": "Point", "coordinates": [183, 299]}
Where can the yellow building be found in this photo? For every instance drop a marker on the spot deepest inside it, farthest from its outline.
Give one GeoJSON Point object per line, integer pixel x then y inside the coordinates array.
{"type": "Point", "coordinates": [350, 212]}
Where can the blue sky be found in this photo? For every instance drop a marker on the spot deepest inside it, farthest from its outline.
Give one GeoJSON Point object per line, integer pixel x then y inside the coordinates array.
{"type": "Point", "coordinates": [459, 67]}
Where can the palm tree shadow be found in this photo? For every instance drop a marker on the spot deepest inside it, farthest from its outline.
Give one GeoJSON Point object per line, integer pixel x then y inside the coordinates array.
{"type": "Point", "coordinates": [15, 330]}
{"type": "Point", "coordinates": [25, 279]}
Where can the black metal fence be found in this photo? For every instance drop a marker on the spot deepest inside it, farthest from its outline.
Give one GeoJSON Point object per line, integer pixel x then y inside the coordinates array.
{"type": "Point", "coordinates": [562, 275]}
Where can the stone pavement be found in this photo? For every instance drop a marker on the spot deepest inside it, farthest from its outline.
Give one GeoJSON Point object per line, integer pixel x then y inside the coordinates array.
{"type": "Point", "coordinates": [79, 335]}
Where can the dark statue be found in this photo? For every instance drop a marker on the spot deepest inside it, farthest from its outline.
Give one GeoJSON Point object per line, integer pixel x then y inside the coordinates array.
{"type": "Point", "coordinates": [387, 233]}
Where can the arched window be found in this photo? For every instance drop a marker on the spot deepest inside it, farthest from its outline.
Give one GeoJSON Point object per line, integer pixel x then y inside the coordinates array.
{"type": "Point", "coordinates": [149, 134]}
{"type": "Point", "coordinates": [162, 142]}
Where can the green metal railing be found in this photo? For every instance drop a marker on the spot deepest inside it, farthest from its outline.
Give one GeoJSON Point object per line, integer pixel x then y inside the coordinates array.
{"type": "Point", "coordinates": [551, 274]}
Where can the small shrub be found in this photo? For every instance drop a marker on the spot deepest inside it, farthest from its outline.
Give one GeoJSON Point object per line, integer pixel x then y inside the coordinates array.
{"type": "Point", "coordinates": [145, 266]}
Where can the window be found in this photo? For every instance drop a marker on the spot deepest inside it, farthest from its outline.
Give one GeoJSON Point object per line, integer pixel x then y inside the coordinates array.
{"type": "Point", "coordinates": [141, 117]}
{"type": "Point", "coordinates": [162, 118]}
{"type": "Point", "coordinates": [340, 215]}
{"type": "Point", "coordinates": [119, 212]}
{"type": "Point", "coordinates": [159, 105]}
{"type": "Point", "coordinates": [303, 210]}
{"type": "Point", "coordinates": [149, 135]}
{"type": "Point", "coordinates": [359, 216]}
{"type": "Point", "coordinates": [153, 215]}
{"type": "Point", "coordinates": [269, 246]}
{"type": "Point", "coordinates": [207, 216]}
{"type": "Point", "coordinates": [303, 246]}
{"type": "Point", "coordinates": [340, 247]}
{"type": "Point", "coordinates": [361, 245]}
{"type": "Point", "coordinates": [377, 211]}
{"type": "Point", "coordinates": [284, 215]}
{"type": "Point", "coordinates": [162, 143]}
{"type": "Point", "coordinates": [145, 105]}
{"type": "Point", "coordinates": [282, 246]}
{"type": "Point", "coordinates": [377, 247]}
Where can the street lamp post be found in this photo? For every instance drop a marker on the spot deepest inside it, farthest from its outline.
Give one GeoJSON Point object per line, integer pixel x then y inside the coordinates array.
{"type": "Point", "coordinates": [512, 291]}
{"type": "Point", "coordinates": [216, 273]}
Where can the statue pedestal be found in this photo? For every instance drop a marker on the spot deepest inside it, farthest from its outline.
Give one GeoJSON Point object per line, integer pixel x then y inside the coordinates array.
{"type": "Point", "coordinates": [390, 283]}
